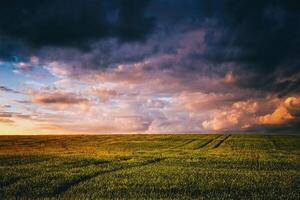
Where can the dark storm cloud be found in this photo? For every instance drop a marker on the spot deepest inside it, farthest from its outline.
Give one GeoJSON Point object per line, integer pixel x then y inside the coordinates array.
{"type": "Point", "coordinates": [72, 22]}
{"type": "Point", "coordinates": [259, 38]}
{"type": "Point", "coordinates": [262, 39]}
{"type": "Point", "coordinates": [263, 33]}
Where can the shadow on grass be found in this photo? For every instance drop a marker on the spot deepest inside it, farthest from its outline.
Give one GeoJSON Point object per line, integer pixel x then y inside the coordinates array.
{"type": "Point", "coordinates": [66, 186]}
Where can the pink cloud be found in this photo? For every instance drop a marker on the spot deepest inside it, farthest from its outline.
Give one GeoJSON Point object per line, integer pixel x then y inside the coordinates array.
{"type": "Point", "coordinates": [58, 99]}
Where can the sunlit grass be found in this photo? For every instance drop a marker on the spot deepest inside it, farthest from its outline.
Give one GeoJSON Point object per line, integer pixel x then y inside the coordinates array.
{"type": "Point", "coordinates": [150, 167]}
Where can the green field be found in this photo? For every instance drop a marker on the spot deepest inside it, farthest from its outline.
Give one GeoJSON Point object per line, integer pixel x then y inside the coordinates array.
{"type": "Point", "coordinates": [150, 167]}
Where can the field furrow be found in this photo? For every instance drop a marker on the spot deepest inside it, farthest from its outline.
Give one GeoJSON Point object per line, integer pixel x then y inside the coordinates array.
{"type": "Point", "coordinates": [208, 142]}
{"type": "Point", "coordinates": [221, 142]}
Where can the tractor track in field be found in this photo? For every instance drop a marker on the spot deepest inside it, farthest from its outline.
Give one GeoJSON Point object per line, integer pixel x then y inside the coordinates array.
{"type": "Point", "coordinates": [15, 180]}
{"type": "Point", "coordinates": [221, 142]}
{"type": "Point", "coordinates": [207, 143]}
{"type": "Point", "coordinates": [65, 187]}
{"type": "Point", "coordinates": [186, 143]}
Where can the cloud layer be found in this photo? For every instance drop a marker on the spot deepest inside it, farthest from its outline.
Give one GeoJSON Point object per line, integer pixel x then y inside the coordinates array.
{"type": "Point", "coordinates": [151, 66]}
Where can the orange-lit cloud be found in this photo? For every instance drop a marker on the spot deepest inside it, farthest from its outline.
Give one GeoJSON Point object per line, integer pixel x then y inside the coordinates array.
{"type": "Point", "coordinates": [237, 116]}
{"type": "Point", "coordinates": [243, 115]}
{"type": "Point", "coordinates": [285, 112]}
{"type": "Point", "coordinates": [293, 105]}
{"type": "Point", "coordinates": [6, 120]}
{"type": "Point", "coordinates": [279, 116]}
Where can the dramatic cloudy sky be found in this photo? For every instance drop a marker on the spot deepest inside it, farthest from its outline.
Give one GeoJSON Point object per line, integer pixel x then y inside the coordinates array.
{"type": "Point", "coordinates": [149, 66]}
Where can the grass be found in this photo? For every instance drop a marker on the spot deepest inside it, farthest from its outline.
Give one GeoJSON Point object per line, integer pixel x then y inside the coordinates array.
{"type": "Point", "coordinates": [150, 167]}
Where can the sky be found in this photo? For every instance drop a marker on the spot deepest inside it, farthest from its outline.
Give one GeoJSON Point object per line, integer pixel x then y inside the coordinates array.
{"type": "Point", "coordinates": [149, 66]}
